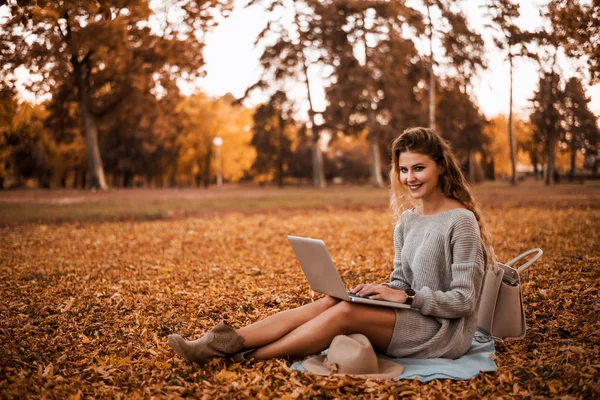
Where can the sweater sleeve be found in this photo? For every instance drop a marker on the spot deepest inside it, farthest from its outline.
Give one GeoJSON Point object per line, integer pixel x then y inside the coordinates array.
{"type": "Point", "coordinates": [397, 278]}
{"type": "Point", "coordinates": [467, 270]}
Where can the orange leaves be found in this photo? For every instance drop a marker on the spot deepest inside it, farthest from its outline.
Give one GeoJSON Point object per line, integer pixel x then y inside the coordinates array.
{"type": "Point", "coordinates": [162, 365]}
{"type": "Point", "coordinates": [225, 376]}
{"type": "Point", "coordinates": [86, 308]}
{"type": "Point", "coordinates": [48, 371]}
{"type": "Point", "coordinates": [68, 305]}
{"type": "Point", "coordinates": [124, 361]}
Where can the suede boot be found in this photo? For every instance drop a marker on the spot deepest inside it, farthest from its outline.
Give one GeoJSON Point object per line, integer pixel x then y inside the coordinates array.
{"type": "Point", "coordinates": [220, 341]}
{"type": "Point", "coordinates": [242, 355]}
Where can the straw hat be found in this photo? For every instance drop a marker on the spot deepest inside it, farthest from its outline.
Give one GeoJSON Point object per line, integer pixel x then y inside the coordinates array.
{"type": "Point", "coordinates": [352, 355]}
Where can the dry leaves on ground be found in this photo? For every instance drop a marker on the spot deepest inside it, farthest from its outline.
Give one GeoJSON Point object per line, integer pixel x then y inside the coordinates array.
{"type": "Point", "coordinates": [86, 308]}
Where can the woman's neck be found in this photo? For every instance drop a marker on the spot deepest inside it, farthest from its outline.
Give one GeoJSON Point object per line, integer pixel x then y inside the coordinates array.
{"type": "Point", "coordinates": [438, 202]}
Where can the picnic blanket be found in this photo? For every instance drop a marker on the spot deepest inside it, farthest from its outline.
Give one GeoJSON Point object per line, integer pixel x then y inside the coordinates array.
{"type": "Point", "coordinates": [479, 358]}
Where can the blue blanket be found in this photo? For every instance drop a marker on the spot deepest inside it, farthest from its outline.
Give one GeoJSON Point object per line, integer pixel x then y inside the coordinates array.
{"type": "Point", "coordinates": [479, 358]}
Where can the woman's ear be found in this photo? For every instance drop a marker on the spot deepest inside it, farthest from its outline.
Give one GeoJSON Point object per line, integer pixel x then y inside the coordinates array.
{"type": "Point", "coordinates": [441, 166]}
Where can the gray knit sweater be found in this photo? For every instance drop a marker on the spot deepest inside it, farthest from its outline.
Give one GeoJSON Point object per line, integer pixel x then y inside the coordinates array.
{"type": "Point", "coordinates": [440, 256]}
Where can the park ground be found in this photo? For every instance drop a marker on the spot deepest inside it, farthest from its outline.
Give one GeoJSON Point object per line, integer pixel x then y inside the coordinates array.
{"type": "Point", "coordinates": [91, 285]}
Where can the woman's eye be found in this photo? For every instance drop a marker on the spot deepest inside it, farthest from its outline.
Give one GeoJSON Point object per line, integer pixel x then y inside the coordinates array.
{"type": "Point", "coordinates": [403, 170]}
{"type": "Point", "coordinates": [419, 168]}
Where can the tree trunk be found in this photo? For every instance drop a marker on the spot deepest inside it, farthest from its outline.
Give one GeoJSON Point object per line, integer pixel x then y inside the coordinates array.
{"type": "Point", "coordinates": [172, 179]}
{"type": "Point", "coordinates": [375, 160]}
{"type": "Point", "coordinates": [549, 178]}
{"type": "Point", "coordinates": [535, 170]}
{"type": "Point", "coordinates": [573, 156]}
{"type": "Point", "coordinates": [431, 75]}
{"type": "Point", "coordinates": [127, 179]}
{"type": "Point", "coordinates": [317, 162]}
{"type": "Point", "coordinates": [75, 178]}
{"type": "Point", "coordinates": [83, 179]}
{"type": "Point", "coordinates": [552, 128]}
{"type": "Point", "coordinates": [471, 163]}
{"type": "Point", "coordinates": [373, 142]}
{"type": "Point", "coordinates": [279, 177]}
{"type": "Point", "coordinates": [317, 156]}
{"type": "Point", "coordinates": [279, 162]}
{"type": "Point", "coordinates": [206, 169]}
{"type": "Point", "coordinates": [97, 180]}
{"type": "Point", "coordinates": [44, 179]}
{"type": "Point", "coordinates": [511, 137]}
{"type": "Point", "coordinates": [573, 146]}
{"type": "Point", "coordinates": [550, 161]}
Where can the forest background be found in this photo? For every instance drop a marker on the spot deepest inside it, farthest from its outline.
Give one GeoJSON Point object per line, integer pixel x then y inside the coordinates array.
{"type": "Point", "coordinates": [113, 114]}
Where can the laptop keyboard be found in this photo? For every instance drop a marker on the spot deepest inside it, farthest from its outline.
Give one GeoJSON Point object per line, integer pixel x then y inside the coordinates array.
{"type": "Point", "coordinates": [360, 297]}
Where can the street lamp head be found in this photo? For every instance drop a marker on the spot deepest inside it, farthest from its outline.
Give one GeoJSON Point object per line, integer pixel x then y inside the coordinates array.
{"type": "Point", "coordinates": [217, 141]}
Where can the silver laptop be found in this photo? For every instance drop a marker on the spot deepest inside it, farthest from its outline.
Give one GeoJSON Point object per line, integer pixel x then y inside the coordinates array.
{"type": "Point", "coordinates": [322, 275]}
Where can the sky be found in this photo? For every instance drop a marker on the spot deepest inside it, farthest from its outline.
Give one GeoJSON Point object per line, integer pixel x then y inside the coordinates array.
{"type": "Point", "coordinates": [232, 63]}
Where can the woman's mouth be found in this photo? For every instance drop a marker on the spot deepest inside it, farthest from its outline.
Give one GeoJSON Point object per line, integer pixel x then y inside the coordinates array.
{"type": "Point", "coordinates": [414, 187]}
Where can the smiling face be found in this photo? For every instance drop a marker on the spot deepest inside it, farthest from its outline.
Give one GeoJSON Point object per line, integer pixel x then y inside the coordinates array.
{"type": "Point", "coordinates": [419, 174]}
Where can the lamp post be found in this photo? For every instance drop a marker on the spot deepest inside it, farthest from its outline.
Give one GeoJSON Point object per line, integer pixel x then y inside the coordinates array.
{"type": "Point", "coordinates": [217, 141]}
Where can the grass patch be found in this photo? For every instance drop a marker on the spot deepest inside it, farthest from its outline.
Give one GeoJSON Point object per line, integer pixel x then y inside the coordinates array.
{"type": "Point", "coordinates": [24, 206]}
{"type": "Point", "coordinates": [147, 204]}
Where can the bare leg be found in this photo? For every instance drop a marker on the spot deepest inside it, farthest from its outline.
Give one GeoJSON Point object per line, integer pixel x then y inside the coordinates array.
{"type": "Point", "coordinates": [276, 326]}
{"type": "Point", "coordinates": [376, 323]}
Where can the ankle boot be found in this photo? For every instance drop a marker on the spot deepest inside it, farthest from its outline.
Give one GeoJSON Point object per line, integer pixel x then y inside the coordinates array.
{"type": "Point", "coordinates": [220, 341]}
{"type": "Point", "coordinates": [242, 355]}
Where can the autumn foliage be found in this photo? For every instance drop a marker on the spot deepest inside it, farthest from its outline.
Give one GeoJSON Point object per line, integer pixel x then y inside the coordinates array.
{"type": "Point", "coordinates": [111, 108]}
{"type": "Point", "coordinates": [86, 306]}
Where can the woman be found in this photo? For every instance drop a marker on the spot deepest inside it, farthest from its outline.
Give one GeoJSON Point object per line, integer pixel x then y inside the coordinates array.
{"type": "Point", "coordinates": [438, 269]}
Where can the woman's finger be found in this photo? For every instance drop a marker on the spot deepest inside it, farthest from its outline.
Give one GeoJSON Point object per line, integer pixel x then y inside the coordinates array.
{"type": "Point", "coordinates": [357, 288]}
{"type": "Point", "coordinates": [361, 288]}
{"type": "Point", "coordinates": [369, 290]}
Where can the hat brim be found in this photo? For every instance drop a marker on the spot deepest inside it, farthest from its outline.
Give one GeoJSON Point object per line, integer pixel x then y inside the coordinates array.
{"type": "Point", "coordinates": [387, 369]}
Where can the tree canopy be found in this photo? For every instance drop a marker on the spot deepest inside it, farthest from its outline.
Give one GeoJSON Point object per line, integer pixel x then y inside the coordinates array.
{"type": "Point", "coordinates": [109, 73]}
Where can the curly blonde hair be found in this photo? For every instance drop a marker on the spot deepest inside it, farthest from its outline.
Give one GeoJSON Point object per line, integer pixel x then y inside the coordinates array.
{"type": "Point", "coordinates": [452, 182]}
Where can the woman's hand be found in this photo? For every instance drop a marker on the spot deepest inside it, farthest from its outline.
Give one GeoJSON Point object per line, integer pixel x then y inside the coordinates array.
{"type": "Point", "coordinates": [376, 291]}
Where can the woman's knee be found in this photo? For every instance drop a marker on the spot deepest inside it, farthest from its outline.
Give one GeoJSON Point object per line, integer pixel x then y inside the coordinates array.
{"type": "Point", "coordinates": [344, 314]}
{"type": "Point", "coordinates": [353, 318]}
{"type": "Point", "coordinates": [327, 302]}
